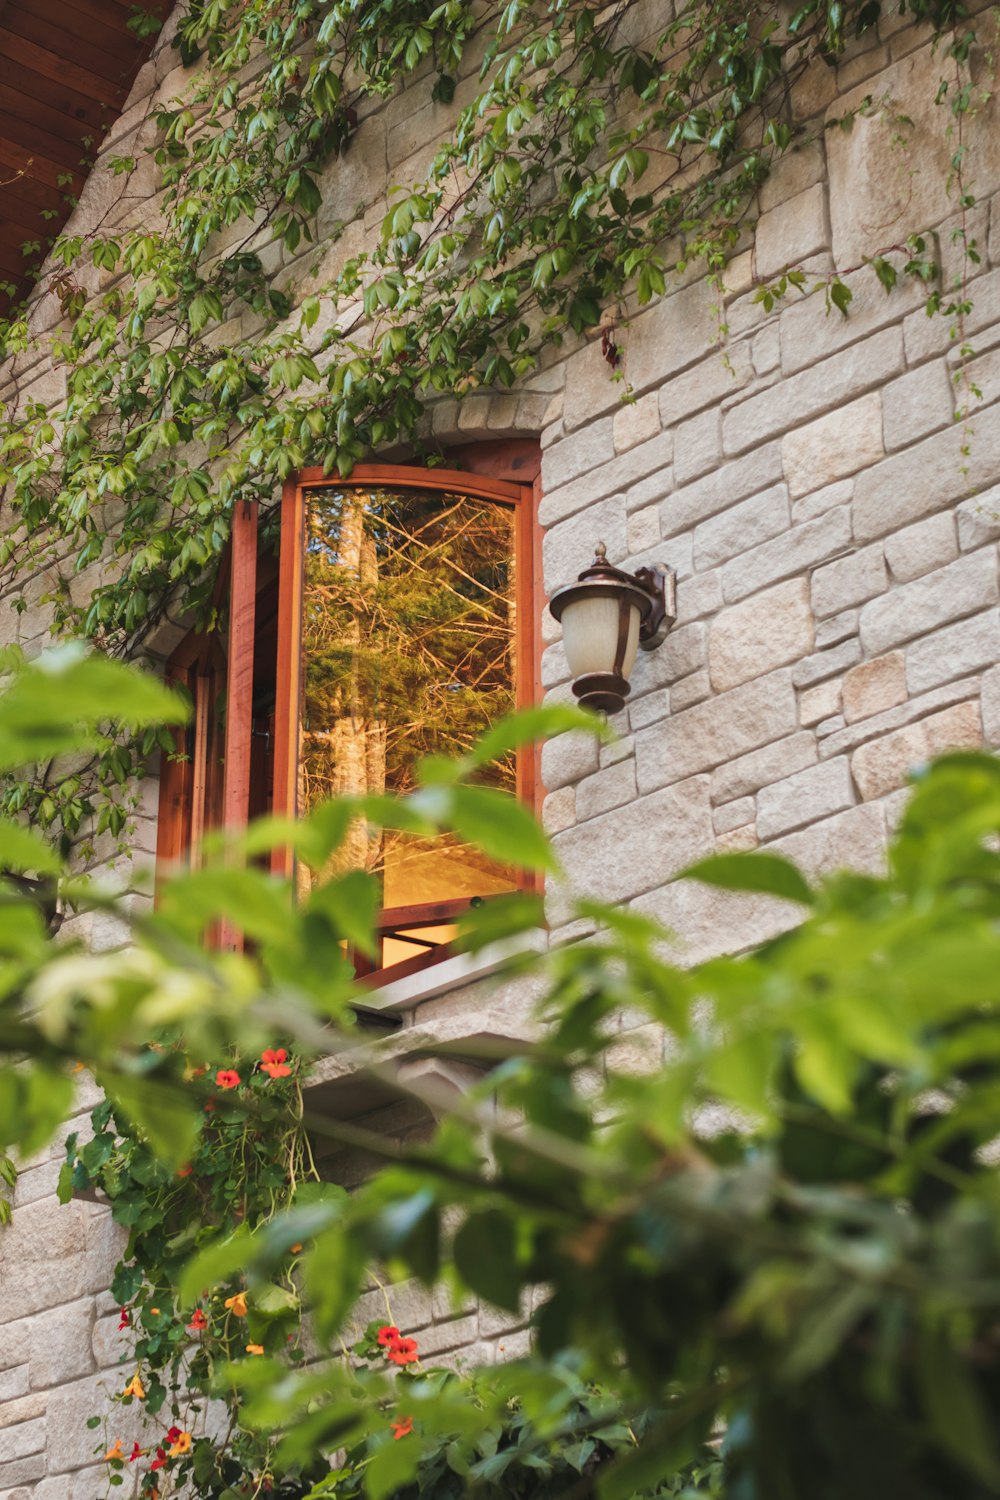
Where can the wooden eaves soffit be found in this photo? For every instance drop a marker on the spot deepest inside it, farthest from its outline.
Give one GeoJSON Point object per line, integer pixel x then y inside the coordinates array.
{"type": "Point", "coordinates": [66, 70]}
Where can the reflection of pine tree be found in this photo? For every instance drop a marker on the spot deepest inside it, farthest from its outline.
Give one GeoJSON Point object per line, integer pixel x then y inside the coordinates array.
{"type": "Point", "coordinates": [408, 639]}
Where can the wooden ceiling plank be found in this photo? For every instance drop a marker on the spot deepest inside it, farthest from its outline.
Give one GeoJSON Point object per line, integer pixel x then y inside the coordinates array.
{"type": "Point", "coordinates": [67, 24]}
{"type": "Point", "coordinates": [96, 59]}
{"type": "Point", "coordinates": [17, 101]}
{"type": "Point", "coordinates": [42, 168]}
{"type": "Point", "coordinates": [36, 141]}
{"type": "Point", "coordinates": [33, 191]}
{"type": "Point", "coordinates": [16, 210]}
{"type": "Point", "coordinates": [66, 69]}
{"type": "Point", "coordinates": [59, 70]}
{"type": "Point", "coordinates": [93, 18]}
{"type": "Point", "coordinates": [11, 240]}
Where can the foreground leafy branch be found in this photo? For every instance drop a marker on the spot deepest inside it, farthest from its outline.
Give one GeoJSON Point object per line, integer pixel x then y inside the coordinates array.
{"type": "Point", "coordinates": [787, 1225]}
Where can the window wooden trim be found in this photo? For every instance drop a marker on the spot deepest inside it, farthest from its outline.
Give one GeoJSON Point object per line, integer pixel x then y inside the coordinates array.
{"type": "Point", "coordinates": [507, 472]}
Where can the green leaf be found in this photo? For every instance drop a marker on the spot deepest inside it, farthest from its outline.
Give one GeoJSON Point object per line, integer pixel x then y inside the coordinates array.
{"type": "Point", "coordinates": [34, 1101]}
{"type": "Point", "coordinates": [757, 871]}
{"type": "Point", "coordinates": [52, 702]}
{"type": "Point", "coordinates": [958, 1416]}
{"type": "Point", "coordinates": [841, 296]}
{"type": "Point", "coordinates": [485, 1250]}
{"type": "Point", "coordinates": [24, 851]}
{"type": "Point", "coordinates": [159, 1111]}
{"type": "Point", "coordinates": [663, 1452]}
{"type": "Point", "coordinates": [501, 827]}
{"type": "Point", "coordinates": [498, 917]}
{"type": "Point", "coordinates": [740, 1068]}
{"type": "Point", "coordinates": [272, 1299]}
{"type": "Point", "coordinates": [220, 1261]}
{"type": "Point", "coordinates": [351, 905]}
{"type": "Point", "coordinates": [389, 1469]}
{"type": "Point", "coordinates": [534, 724]}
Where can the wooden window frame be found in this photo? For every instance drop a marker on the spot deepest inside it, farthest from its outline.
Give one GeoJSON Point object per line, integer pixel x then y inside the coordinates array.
{"type": "Point", "coordinates": [507, 472]}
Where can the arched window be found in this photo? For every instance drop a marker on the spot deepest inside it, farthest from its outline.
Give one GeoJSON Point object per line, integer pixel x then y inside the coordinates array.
{"type": "Point", "coordinates": [398, 621]}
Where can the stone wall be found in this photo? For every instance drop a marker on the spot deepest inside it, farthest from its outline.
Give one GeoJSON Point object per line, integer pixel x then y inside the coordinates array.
{"type": "Point", "coordinates": [838, 605]}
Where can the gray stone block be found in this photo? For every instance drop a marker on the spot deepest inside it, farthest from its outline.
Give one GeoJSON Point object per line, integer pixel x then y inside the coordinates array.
{"type": "Point", "coordinates": [795, 551]}
{"type": "Point", "coordinates": [649, 709]}
{"type": "Point", "coordinates": [837, 628]}
{"type": "Point", "coordinates": [766, 631]}
{"type": "Point", "coordinates": [698, 596]}
{"type": "Point", "coordinates": [697, 446]}
{"type": "Point", "coordinates": [716, 731]}
{"type": "Point", "coordinates": [578, 453]}
{"type": "Point", "coordinates": [828, 384]}
{"type": "Point", "coordinates": [850, 840]}
{"type": "Point", "coordinates": [733, 815]}
{"type": "Point", "coordinates": [22, 1439]}
{"type": "Point", "coordinates": [920, 403]}
{"type": "Point", "coordinates": [568, 757]}
{"type": "Point", "coordinates": [719, 375]}
{"type": "Point", "coordinates": [850, 580]}
{"type": "Point", "coordinates": [568, 547]}
{"type": "Point", "coordinates": [921, 548]}
{"type": "Point", "coordinates": [961, 588]}
{"type": "Point", "coordinates": [13, 1383]}
{"type": "Point", "coordinates": [825, 664]}
{"type": "Point", "coordinates": [732, 531]}
{"type": "Point", "coordinates": [610, 787]}
{"type": "Point", "coordinates": [748, 773]}
{"type": "Point", "coordinates": [990, 706]}
{"type": "Point", "coordinates": [979, 518]}
{"type": "Point", "coordinates": [707, 922]}
{"type": "Point", "coordinates": [690, 690]}
{"type": "Point", "coordinates": [721, 489]}
{"type": "Point", "coordinates": [623, 472]}
{"type": "Point", "coordinates": [954, 652]}
{"type": "Point", "coordinates": [792, 231]}
{"type": "Point", "coordinates": [806, 797]}
{"type": "Point", "coordinates": [635, 848]}
{"type": "Point", "coordinates": [22, 1471]}
{"type": "Point", "coordinates": [61, 1343]}
{"type": "Point", "coordinates": [841, 443]}
{"type": "Point", "coordinates": [924, 479]}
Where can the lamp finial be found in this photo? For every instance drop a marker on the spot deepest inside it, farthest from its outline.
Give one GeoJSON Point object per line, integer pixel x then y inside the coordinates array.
{"type": "Point", "coordinates": [600, 552]}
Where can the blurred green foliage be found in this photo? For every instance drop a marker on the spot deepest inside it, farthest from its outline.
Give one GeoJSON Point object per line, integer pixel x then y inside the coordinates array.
{"type": "Point", "coordinates": [785, 1238]}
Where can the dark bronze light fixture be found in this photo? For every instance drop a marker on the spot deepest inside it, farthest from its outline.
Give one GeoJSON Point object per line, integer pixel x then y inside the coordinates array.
{"type": "Point", "coordinates": [607, 616]}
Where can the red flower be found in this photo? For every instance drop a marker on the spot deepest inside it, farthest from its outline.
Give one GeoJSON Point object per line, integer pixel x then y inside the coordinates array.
{"type": "Point", "coordinates": [173, 1433]}
{"type": "Point", "coordinates": [159, 1460]}
{"type": "Point", "coordinates": [388, 1335]}
{"type": "Point", "coordinates": [136, 1453]}
{"type": "Point", "coordinates": [273, 1063]}
{"type": "Point", "coordinates": [123, 1321]}
{"type": "Point", "coordinates": [198, 1321]}
{"type": "Point", "coordinates": [227, 1078]}
{"type": "Point", "coordinates": [402, 1428]}
{"type": "Point", "coordinates": [403, 1352]}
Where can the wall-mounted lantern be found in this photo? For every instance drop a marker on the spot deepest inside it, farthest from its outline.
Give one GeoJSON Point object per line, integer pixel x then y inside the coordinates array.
{"type": "Point", "coordinates": [607, 616]}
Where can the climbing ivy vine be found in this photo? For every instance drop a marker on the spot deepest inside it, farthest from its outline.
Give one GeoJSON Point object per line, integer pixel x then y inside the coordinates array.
{"type": "Point", "coordinates": [589, 155]}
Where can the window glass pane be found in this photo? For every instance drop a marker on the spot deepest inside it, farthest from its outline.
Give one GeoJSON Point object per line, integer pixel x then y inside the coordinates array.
{"type": "Point", "coordinates": [408, 650]}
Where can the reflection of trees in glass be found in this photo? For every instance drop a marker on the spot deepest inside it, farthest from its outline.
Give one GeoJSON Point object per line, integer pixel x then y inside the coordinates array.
{"type": "Point", "coordinates": [408, 651]}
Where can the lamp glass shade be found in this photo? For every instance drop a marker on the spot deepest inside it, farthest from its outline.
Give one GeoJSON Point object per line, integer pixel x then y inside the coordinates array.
{"type": "Point", "coordinates": [590, 635]}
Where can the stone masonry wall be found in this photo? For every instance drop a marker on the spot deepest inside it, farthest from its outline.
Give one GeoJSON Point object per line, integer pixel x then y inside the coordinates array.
{"type": "Point", "coordinates": [839, 614]}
